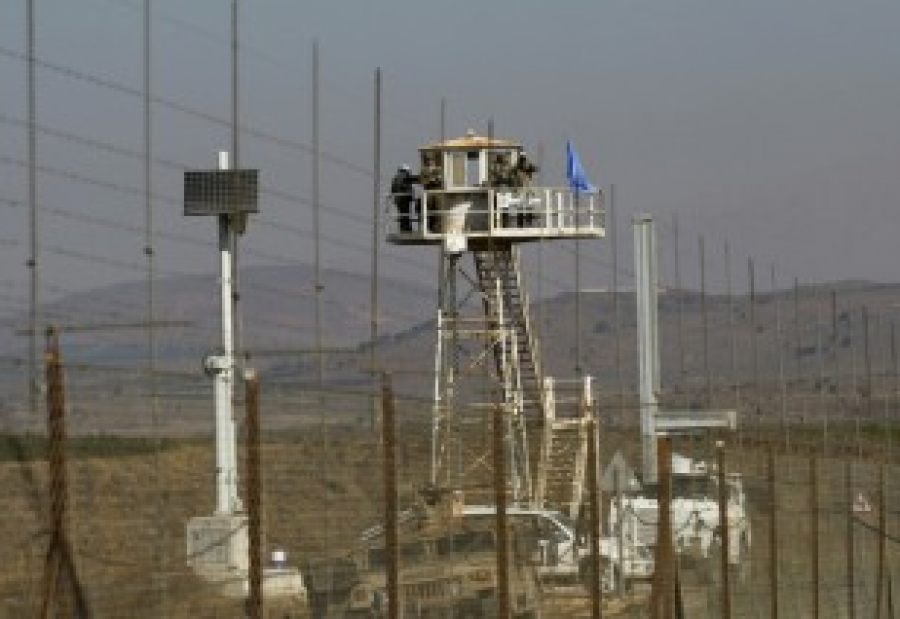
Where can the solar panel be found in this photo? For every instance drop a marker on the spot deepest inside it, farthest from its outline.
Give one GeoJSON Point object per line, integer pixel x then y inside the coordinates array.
{"type": "Point", "coordinates": [221, 192]}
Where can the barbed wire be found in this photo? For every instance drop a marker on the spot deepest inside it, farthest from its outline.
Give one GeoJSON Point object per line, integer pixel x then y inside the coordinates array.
{"type": "Point", "coordinates": [97, 81]}
{"type": "Point", "coordinates": [110, 148]}
{"type": "Point", "coordinates": [110, 84]}
{"type": "Point", "coordinates": [287, 68]}
{"type": "Point", "coordinates": [588, 254]}
{"type": "Point", "coordinates": [93, 258]}
{"type": "Point", "coordinates": [251, 131]}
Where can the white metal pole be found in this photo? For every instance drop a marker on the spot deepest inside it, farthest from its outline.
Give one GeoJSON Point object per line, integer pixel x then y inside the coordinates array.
{"type": "Point", "coordinates": [438, 421]}
{"type": "Point", "coordinates": [226, 460]}
{"type": "Point", "coordinates": [648, 348]}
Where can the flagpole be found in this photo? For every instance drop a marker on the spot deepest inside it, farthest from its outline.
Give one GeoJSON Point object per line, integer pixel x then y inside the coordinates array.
{"type": "Point", "coordinates": [578, 182]}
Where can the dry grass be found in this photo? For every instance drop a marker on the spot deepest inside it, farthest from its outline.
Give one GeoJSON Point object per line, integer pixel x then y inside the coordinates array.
{"type": "Point", "coordinates": [128, 516]}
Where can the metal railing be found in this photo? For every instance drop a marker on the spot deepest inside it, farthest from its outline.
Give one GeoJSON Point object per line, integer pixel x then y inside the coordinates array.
{"type": "Point", "coordinates": [485, 212]}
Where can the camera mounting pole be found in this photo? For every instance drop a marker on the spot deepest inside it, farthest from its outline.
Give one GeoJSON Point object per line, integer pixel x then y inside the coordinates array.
{"type": "Point", "coordinates": [230, 195]}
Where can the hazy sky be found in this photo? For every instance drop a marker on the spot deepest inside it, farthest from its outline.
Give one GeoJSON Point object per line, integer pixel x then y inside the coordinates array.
{"type": "Point", "coordinates": [773, 124]}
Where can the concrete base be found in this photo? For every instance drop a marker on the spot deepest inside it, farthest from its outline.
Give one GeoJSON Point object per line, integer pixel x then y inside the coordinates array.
{"type": "Point", "coordinates": [281, 582]}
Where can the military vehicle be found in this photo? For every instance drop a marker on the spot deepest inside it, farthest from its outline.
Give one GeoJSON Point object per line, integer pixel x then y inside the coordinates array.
{"type": "Point", "coordinates": [695, 521]}
{"type": "Point", "coordinates": [447, 569]}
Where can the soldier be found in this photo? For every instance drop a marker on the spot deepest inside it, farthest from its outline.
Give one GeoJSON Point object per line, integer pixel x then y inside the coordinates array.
{"type": "Point", "coordinates": [522, 173]}
{"type": "Point", "coordinates": [403, 193]}
{"type": "Point", "coordinates": [501, 173]}
{"type": "Point", "coordinates": [431, 171]}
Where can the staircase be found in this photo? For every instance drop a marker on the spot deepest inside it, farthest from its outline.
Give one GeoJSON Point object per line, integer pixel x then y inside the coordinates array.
{"type": "Point", "coordinates": [502, 264]}
{"type": "Point", "coordinates": [562, 465]}
{"type": "Point", "coordinates": [561, 407]}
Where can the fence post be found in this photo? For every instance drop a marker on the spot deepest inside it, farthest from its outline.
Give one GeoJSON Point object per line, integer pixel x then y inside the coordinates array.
{"type": "Point", "coordinates": [723, 530]}
{"type": "Point", "coordinates": [596, 588]}
{"type": "Point", "coordinates": [882, 531]}
{"type": "Point", "coordinates": [59, 561]}
{"type": "Point", "coordinates": [773, 536]}
{"type": "Point", "coordinates": [620, 538]}
{"type": "Point", "coordinates": [255, 601]}
{"type": "Point", "coordinates": [661, 598]}
{"type": "Point", "coordinates": [389, 472]}
{"type": "Point", "coordinates": [56, 445]}
{"type": "Point", "coordinates": [499, 456]}
{"type": "Point", "coordinates": [814, 511]}
{"type": "Point", "coordinates": [851, 550]}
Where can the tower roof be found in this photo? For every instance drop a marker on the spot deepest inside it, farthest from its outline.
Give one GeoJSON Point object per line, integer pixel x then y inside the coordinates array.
{"type": "Point", "coordinates": [471, 141]}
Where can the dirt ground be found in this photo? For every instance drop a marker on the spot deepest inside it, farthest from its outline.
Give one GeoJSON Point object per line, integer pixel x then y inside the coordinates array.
{"type": "Point", "coordinates": [127, 518]}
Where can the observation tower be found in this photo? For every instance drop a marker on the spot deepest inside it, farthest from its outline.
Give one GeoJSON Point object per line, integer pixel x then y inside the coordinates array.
{"type": "Point", "coordinates": [475, 196]}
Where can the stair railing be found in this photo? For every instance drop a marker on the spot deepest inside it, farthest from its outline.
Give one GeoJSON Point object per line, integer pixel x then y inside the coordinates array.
{"type": "Point", "coordinates": [528, 333]}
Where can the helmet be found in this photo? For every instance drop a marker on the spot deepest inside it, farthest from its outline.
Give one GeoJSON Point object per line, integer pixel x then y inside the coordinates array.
{"type": "Point", "coordinates": [404, 167]}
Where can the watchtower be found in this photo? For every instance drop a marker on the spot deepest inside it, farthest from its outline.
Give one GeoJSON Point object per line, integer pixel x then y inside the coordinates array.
{"type": "Point", "coordinates": [476, 195]}
{"type": "Point", "coordinates": [477, 192]}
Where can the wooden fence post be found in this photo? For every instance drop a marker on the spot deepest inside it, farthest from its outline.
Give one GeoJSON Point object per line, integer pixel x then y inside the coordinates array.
{"type": "Point", "coordinates": [255, 601]}
{"type": "Point", "coordinates": [773, 536]}
{"type": "Point", "coordinates": [882, 532]}
{"type": "Point", "coordinates": [814, 511]}
{"type": "Point", "coordinates": [59, 561]}
{"type": "Point", "coordinates": [723, 530]}
{"type": "Point", "coordinates": [390, 498]}
{"type": "Point", "coordinates": [851, 543]}
{"type": "Point", "coordinates": [596, 589]}
{"type": "Point", "coordinates": [499, 457]}
{"type": "Point", "coordinates": [661, 598]}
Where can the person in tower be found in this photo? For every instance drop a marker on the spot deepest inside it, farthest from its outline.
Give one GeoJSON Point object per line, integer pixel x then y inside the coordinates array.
{"type": "Point", "coordinates": [523, 171]}
{"type": "Point", "coordinates": [403, 193]}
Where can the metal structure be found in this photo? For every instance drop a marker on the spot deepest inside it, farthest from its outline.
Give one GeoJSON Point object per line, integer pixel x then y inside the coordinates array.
{"type": "Point", "coordinates": [218, 544]}
{"type": "Point", "coordinates": [450, 568]}
{"type": "Point", "coordinates": [648, 341]}
{"type": "Point", "coordinates": [653, 421]}
{"type": "Point", "coordinates": [229, 195]}
{"type": "Point", "coordinates": [224, 548]}
{"type": "Point", "coordinates": [678, 512]}
{"type": "Point", "coordinates": [475, 197]}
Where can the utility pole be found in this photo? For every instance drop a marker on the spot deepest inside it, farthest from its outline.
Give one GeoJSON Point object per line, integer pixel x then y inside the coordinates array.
{"type": "Point", "coordinates": [32, 262]}
{"type": "Point", "coordinates": [317, 207]}
{"type": "Point", "coordinates": [613, 246]}
{"type": "Point", "coordinates": [376, 236]}
{"type": "Point", "coordinates": [678, 285]}
{"type": "Point", "coordinates": [704, 316]}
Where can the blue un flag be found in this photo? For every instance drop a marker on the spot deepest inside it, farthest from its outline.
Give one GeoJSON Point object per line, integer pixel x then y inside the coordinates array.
{"type": "Point", "coordinates": [578, 180]}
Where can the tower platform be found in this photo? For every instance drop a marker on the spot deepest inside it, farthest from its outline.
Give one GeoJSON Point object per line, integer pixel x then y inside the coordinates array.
{"type": "Point", "coordinates": [474, 189]}
{"type": "Point", "coordinates": [477, 215]}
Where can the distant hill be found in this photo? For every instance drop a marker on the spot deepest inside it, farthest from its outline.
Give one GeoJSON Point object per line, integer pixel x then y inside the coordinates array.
{"type": "Point", "coordinates": [279, 313]}
{"type": "Point", "coordinates": [794, 334]}
{"type": "Point", "coordinates": [278, 305]}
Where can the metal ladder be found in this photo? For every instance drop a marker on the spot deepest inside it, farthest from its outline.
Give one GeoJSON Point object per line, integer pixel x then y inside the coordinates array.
{"type": "Point", "coordinates": [502, 264]}
{"type": "Point", "coordinates": [562, 408]}
{"type": "Point", "coordinates": [562, 464]}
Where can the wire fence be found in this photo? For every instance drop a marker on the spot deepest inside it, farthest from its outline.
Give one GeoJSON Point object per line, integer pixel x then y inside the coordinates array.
{"type": "Point", "coordinates": [110, 540]}
{"type": "Point", "coordinates": [108, 460]}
